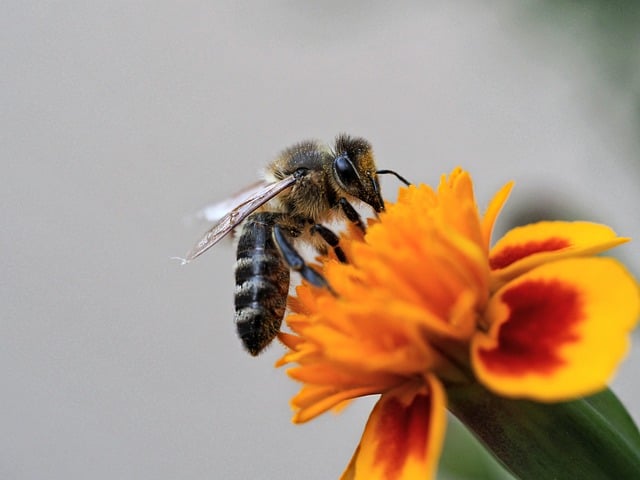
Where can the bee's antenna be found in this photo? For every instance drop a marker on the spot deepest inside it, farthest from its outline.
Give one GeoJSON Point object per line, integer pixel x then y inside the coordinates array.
{"type": "Point", "coordinates": [397, 175]}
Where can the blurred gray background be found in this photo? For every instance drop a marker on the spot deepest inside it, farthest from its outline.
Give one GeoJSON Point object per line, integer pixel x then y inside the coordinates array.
{"type": "Point", "coordinates": [118, 119]}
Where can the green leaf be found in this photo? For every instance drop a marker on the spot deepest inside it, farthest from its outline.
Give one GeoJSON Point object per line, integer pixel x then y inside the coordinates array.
{"type": "Point", "coordinates": [590, 438]}
{"type": "Point", "coordinates": [465, 458]}
{"type": "Point", "coordinates": [607, 404]}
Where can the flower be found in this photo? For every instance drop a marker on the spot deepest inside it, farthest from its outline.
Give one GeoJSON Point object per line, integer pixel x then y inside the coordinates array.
{"type": "Point", "coordinates": [425, 303]}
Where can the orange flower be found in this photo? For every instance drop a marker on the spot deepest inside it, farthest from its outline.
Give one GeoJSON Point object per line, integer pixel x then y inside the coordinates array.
{"type": "Point", "coordinates": [425, 303]}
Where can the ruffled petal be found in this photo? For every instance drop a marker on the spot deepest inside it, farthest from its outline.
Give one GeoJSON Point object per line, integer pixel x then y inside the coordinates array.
{"type": "Point", "coordinates": [526, 247]}
{"type": "Point", "coordinates": [559, 331]}
{"type": "Point", "coordinates": [403, 437]}
{"type": "Point", "coordinates": [426, 251]}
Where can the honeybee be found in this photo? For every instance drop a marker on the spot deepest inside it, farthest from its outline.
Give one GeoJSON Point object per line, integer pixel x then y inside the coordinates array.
{"type": "Point", "coordinates": [307, 186]}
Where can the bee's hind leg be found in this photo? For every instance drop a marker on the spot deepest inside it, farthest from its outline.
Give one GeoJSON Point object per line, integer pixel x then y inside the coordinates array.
{"type": "Point", "coordinates": [352, 214]}
{"type": "Point", "coordinates": [332, 239]}
{"type": "Point", "coordinates": [295, 260]}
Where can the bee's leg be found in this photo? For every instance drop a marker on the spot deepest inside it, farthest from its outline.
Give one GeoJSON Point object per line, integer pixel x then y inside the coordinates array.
{"type": "Point", "coordinates": [352, 214]}
{"type": "Point", "coordinates": [332, 240]}
{"type": "Point", "coordinates": [295, 260]}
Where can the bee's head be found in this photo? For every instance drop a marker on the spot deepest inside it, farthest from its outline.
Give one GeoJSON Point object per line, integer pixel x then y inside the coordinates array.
{"type": "Point", "coordinates": [355, 170]}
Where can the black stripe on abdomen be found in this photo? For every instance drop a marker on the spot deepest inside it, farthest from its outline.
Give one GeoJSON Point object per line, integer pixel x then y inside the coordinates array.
{"type": "Point", "coordinates": [262, 283]}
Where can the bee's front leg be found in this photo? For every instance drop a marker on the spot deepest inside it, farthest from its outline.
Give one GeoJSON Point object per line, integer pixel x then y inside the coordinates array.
{"type": "Point", "coordinates": [351, 213]}
{"type": "Point", "coordinates": [331, 238]}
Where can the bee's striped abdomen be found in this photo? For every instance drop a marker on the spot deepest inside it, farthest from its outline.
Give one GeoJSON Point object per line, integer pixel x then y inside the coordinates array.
{"type": "Point", "coordinates": [262, 283]}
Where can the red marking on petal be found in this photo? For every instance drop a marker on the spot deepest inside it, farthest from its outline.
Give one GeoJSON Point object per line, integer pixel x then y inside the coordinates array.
{"type": "Point", "coordinates": [543, 316]}
{"type": "Point", "coordinates": [513, 253]}
{"type": "Point", "coordinates": [402, 431]}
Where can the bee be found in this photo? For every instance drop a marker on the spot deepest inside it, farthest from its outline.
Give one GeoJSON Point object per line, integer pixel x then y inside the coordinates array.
{"type": "Point", "coordinates": [307, 186]}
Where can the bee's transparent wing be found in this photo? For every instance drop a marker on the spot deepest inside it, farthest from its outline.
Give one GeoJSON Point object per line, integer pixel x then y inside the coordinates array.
{"type": "Point", "coordinates": [214, 212]}
{"type": "Point", "coordinates": [231, 219]}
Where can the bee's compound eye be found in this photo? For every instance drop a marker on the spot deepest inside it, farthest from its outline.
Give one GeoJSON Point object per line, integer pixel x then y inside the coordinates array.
{"type": "Point", "coordinates": [346, 172]}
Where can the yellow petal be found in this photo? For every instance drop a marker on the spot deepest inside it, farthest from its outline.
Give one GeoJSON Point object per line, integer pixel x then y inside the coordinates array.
{"type": "Point", "coordinates": [559, 331]}
{"type": "Point", "coordinates": [526, 247]}
{"type": "Point", "coordinates": [404, 434]}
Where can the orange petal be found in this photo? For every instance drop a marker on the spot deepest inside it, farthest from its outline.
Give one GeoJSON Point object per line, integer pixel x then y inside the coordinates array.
{"type": "Point", "coordinates": [559, 331]}
{"type": "Point", "coordinates": [457, 206]}
{"type": "Point", "coordinates": [313, 401]}
{"type": "Point", "coordinates": [290, 341]}
{"type": "Point", "coordinates": [404, 434]}
{"type": "Point", "coordinates": [524, 248]}
{"type": "Point", "coordinates": [491, 214]}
